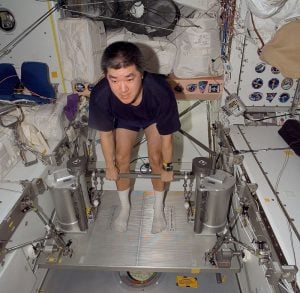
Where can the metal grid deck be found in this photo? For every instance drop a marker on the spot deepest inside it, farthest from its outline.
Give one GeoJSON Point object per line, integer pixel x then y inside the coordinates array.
{"type": "Point", "coordinates": [177, 249]}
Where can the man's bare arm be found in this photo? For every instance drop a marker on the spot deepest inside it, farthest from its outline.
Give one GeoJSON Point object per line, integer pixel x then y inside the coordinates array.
{"type": "Point", "coordinates": [167, 156]}
{"type": "Point", "coordinates": [108, 149]}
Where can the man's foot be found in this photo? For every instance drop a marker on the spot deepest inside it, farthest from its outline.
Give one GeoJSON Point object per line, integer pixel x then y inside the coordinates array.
{"type": "Point", "coordinates": [121, 222]}
{"type": "Point", "coordinates": [159, 223]}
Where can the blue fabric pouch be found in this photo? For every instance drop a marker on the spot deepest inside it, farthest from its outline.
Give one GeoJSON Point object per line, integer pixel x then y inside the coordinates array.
{"type": "Point", "coordinates": [9, 81]}
{"type": "Point", "coordinates": [35, 77]}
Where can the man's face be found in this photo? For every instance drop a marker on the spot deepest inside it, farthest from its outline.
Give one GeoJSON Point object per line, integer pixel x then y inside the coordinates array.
{"type": "Point", "coordinates": [126, 84]}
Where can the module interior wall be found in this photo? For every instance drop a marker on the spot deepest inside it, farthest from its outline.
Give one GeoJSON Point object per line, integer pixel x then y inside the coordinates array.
{"type": "Point", "coordinates": [36, 46]}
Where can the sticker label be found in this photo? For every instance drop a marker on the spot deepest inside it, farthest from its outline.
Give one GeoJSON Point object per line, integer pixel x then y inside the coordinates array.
{"type": "Point", "coordinates": [52, 259]}
{"type": "Point", "coordinates": [10, 225]}
{"type": "Point", "coordinates": [260, 68]}
{"type": "Point", "coordinates": [202, 85]}
{"type": "Point", "coordinates": [186, 282]}
{"type": "Point", "coordinates": [287, 83]}
{"type": "Point", "coordinates": [195, 270]}
{"type": "Point", "coordinates": [283, 98]}
{"type": "Point", "coordinates": [191, 87]}
{"type": "Point", "coordinates": [178, 88]}
{"type": "Point", "coordinates": [270, 96]}
{"type": "Point", "coordinates": [54, 74]}
{"type": "Point", "coordinates": [273, 83]}
{"type": "Point", "coordinates": [257, 83]}
{"type": "Point", "coordinates": [214, 88]}
{"type": "Point", "coordinates": [275, 70]}
{"type": "Point", "coordinates": [288, 153]}
{"type": "Point", "coordinates": [148, 193]}
{"type": "Point", "coordinates": [257, 96]}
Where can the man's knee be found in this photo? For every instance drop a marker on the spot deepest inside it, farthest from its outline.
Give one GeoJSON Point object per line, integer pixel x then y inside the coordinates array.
{"type": "Point", "coordinates": [155, 161]}
{"type": "Point", "coordinates": [122, 161]}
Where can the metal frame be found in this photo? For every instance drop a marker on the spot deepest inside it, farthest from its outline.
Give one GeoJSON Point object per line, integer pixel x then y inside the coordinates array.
{"type": "Point", "coordinates": [266, 215]}
{"type": "Point", "coordinates": [176, 249]}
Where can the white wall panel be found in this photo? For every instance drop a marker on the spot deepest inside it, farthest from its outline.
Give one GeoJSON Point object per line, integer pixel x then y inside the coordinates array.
{"type": "Point", "coordinates": [39, 45]}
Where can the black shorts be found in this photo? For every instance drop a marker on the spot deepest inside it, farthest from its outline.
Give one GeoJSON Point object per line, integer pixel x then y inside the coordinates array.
{"type": "Point", "coordinates": [131, 125]}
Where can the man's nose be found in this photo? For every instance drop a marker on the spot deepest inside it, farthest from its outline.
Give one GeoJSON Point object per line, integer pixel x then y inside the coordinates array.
{"type": "Point", "coordinates": [123, 87]}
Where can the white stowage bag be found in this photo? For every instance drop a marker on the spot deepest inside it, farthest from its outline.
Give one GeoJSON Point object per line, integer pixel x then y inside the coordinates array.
{"type": "Point", "coordinates": [9, 153]}
{"type": "Point", "coordinates": [198, 43]}
{"type": "Point", "coordinates": [265, 27]}
{"type": "Point", "coordinates": [34, 138]}
{"type": "Point", "coordinates": [82, 42]}
{"type": "Point", "coordinates": [159, 53]}
{"type": "Point", "coordinates": [49, 119]}
{"type": "Point", "coordinates": [116, 35]}
{"type": "Point", "coordinates": [265, 8]}
{"type": "Point", "coordinates": [268, 25]}
{"type": "Point", "coordinates": [289, 12]}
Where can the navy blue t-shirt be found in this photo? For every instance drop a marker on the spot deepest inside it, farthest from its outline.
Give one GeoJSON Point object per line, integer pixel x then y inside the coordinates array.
{"type": "Point", "coordinates": [158, 106]}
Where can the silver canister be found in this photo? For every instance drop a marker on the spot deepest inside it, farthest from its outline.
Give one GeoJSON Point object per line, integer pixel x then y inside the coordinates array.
{"type": "Point", "coordinates": [213, 194]}
{"type": "Point", "coordinates": [62, 186]}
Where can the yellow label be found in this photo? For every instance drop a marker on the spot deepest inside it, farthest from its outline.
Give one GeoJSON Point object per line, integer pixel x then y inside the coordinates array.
{"type": "Point", "coordinates": [195, 270]}
{"type": "Point", "coordinates": [10, 224]}
{"type": "Point", "coordinates": [288, 153]}
{"type": "Point", "coordinates": [148, 193]}
{"type": "Point", "coordinates": [177, 193]}
{"type": "Point", "coordinates": [267, 199]}
{"type": "Point", "coordinates": [54, 74]}
{"type": "Point", "coordinates": [52, 259]}
{"type": "Point", "coordinates": [186, 282]}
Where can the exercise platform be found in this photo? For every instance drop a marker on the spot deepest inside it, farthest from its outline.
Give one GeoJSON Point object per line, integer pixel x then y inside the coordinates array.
{"type": "Point", "coordinates": [177, 249]}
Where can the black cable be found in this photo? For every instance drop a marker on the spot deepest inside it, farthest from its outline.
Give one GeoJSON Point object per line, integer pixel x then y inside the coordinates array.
{"type": "Point", "coordinates": [109, 6]}
{"type": "Point", "coordinates": [102, 17]}
{"type": "Point", "coordinates": [140, 142]}
{"type": "Point", "coordinates": [138, 158]}
{"type": "Point", "coordinates": [281, 172]}
{"type": "Point", "coordinates": [218, 157]}
{"type": "Point", "coordinates": [158, 13]}
{"type": "Point", "coordinates": [256, 31]}
{"type": "Point", "coordinates": [152, 10]}
{"type": "Point", "coordinates": [145, 168]}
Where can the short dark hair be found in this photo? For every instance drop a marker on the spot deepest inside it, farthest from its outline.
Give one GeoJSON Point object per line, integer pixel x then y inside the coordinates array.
{"type": "Point", "coordinates": [120, 55]}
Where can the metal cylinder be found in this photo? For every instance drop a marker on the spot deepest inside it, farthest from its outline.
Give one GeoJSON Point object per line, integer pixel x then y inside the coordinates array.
{"type": "Point", "coordinates": [202, 167]}
{"type": "Point", "coordinates": [77, 166]}
{"type": "Point", "coordinates": [80, 209]}
{"type": "Point", "coordinates": [65, 213]}
{"type": "Point", "coordinates": [201, 197]}
{"type": "Point", "coordinates": [63, 187]}
{"type": "Point", "coordinates": [213, 195]}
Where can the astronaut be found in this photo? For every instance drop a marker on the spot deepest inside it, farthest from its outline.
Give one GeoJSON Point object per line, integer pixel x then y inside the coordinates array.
{"type": "Point", "coordinates": [126, 100]}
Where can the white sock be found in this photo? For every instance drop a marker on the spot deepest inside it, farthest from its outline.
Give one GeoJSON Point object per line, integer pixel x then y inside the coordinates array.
{"type": "Point", "coordinates": [121, 221]}
{"type": "Point", "coordinates": [159, 221]}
